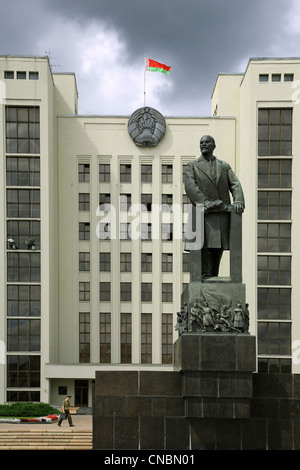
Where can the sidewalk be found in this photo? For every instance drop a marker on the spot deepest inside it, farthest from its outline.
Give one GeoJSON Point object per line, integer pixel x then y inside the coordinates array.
{"type": "Point", "coordinates": [81, 422]}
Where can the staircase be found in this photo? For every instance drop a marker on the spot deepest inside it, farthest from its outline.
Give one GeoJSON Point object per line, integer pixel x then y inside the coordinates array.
{"type": "Point", "coordinates": [35, 439]}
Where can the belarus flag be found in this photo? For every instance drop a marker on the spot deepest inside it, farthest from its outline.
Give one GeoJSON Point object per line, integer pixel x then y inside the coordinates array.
{"type": "Point", "coordinates": [153, 66]}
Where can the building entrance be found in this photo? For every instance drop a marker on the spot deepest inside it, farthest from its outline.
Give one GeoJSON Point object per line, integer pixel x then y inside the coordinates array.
{"type": "Point", "coordinates": [81, 392]}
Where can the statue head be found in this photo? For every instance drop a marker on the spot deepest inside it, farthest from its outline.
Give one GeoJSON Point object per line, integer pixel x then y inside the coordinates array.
{"type": "Point", "coordinates": [207, 145]}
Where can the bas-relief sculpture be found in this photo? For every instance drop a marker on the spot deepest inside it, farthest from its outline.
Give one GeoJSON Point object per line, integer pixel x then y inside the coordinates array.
{"type": "Point", "coordinates": [146, 127]}
{"type": "Point", "coordinates": [212, 303]}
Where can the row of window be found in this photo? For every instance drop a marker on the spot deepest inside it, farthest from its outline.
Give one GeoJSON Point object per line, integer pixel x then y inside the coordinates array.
{"type": "Point", "coordinates": [274, 236]}
{"type": "Point", "coordinates": [125, 291]}
{"type": "Point", "coordinates": [125, 337]}
{"type": "Point", "coordinates": [20, 75]}
{"type": "Point", "coordinates": [126, 263]}
{"type": "Point", "coordinates": [276, 77]}
{"type": "Point", "coordinates": [125, 201]}
{"type": "Point", "coordinates": [126, 173]}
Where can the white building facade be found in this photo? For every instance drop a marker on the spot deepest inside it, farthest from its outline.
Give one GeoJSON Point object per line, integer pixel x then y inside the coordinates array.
{"type": "Point", "coordinates": [79, 292]}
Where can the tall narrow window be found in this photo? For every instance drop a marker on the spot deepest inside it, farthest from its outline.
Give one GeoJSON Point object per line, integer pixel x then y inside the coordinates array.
{"type": "Point", "coordinates": [126, 338]}
{"type": "Point", "coordinates": [84, 172]}
{"type": "Point", "coordinates": [125, 173]}
{"type": "Point", "coordinates": [146, 173]}
{"type": "Point", "coordinates": [22, 129]}
{"type": "Point", "coordinates": [104, 172]}
{"type": "Point", "coordinates": [84, 261]}
{"type": "Point", "coordinates": [105, 337]}
{"type": "Point", "coordinates": [275, 132]}
{"type": "Point", "coordinates": [84, 337]}
{"type": "Point", "coordinates": [146, 338]}
{"type": "Point", "coordinates": [274, 239]}
{"type": "Point", "coordinates": [167, 174]}
{"type": "Point", "coordinates": [167, 338]}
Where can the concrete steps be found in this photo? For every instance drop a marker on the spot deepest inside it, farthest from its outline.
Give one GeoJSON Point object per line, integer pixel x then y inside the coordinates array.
{"type": "Point", "coordinates": [35, 439]}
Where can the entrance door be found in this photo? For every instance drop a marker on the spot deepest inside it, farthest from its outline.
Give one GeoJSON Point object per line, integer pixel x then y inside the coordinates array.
{"type": "Point", "coordinates": [81, 392]}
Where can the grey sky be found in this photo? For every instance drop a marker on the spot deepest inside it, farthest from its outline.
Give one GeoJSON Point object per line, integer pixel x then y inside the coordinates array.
{"type": "Point", "coordinates": [104, 42]}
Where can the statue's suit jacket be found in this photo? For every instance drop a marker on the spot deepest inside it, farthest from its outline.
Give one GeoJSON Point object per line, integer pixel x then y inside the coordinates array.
{"type": "Point", "coordinates": [202, 186]}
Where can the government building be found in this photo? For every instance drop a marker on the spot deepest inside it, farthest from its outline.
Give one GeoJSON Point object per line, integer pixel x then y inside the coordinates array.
{"type": "Point", "coordinates": [90, 282]}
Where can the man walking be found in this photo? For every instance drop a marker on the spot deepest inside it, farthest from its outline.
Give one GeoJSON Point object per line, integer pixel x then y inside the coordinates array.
{"type": "Point", "coordinates": [65, 408]}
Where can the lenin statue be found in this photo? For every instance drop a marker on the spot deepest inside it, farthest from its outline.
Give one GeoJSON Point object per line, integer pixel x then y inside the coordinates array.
{"type": "Point", "coordinates": [209, 181]}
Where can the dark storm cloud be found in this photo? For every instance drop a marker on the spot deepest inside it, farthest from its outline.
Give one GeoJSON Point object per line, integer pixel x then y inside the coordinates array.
{"type": "Point", "coordinates": [198, 38]}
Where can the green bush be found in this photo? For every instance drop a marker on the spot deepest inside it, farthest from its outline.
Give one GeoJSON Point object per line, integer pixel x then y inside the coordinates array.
{"type": "Point", "coordinates": [26, 410]}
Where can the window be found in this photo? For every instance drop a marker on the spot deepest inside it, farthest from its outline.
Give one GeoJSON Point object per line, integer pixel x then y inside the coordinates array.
{"type": "Point", "coordinates": [84, 172]}
{"type": "Point", "coordinates": [167, 202]}
{"type": "Point", "coordinates": [146, 262]}
{"type": "Point", "coordinates": [84, 291]}
{"type": "Point", "coordinates": [274, 173]}
{"type": "Point", "coordinates": [276, 77]}
{"type": "Point", "coordinates": [22, 129]}
{"type": "Point", "coordinates": [275, 132]}
{"type": "Point", "coordinates": [167, 173]}
{"type": "Point", "coordinates": [23, 267]}
{"type": "Point", "coordinates": [146, 200]}
{"type": "Point", "coordinates": [104, 173]}
{"type": "Point", "coordinates": [288, 77]}
{"type": "Point", "coordinates": [146, 173]}
{"type": "Point", "coordinates": [23, 335]}
{"type": "Point", "coordinates": [125, 291]}
{"type": "Point", "coordinates": [167, 232]}
{"type": "Point", "coordinates": [84, 230]}
{"type": "Point", "coordinates": [21, 231]}
{"type": "Point", "coordinates": [104, 260]}
{"type": "Point", "coordinates": [274, 205]}
{"type": "Point", "coordinates": [274, 303]}
{"type": "Point", "coordinates": [146, 338]}
{"type": "Point", "coordinates": [125, 262]}
{"type": "Point", "coordinates": [104, 201]}
{"type": "Point", "coordinates": [126, 338]}
{"type": "Point", "coordinates": [263, 77]}
{"type": "Point", "coordinates": [105, 338]}
{"type": "Point", "coordinates": [167, 338]}
{"type": "Point", "coordinates": [274, 365]}
{"type": "Point", "coordinates": [167, 262]}
{"type": "Point", "coordinates": [125, 202]}
{"type": "Point", "coordinates": [84, 261]}
{"type": "Point", "coordinates": [33, 75]}
{"type": "Point", "coordinates": [183, 172]}
{"type": "Point", "coordinates": [274, 338]}
{"type": "Point", "coordinates": [23, 371]}
{"type": "Point", "coordinates": [9, 74]}
{"type": "Point", "coordinates": [125, 231]}
{"type": "Point", "coordinates": [167, 292]}
{"type": "Point", "coordinates": [146, 292]}
{"type": "Point", "coordinates": [84, 337]}
{"type": "Point", "coordinates": [21, 75]}
{"type": "Point", "coordinates": [185, 202]}
{"type": "Point", "coordinates": [23, 300]}
{"type": "Point", "coordinates": [22, 171]}
{"type": "Point", "coordinates": [23, 203]}
{"type": "Point", "coordinates": [104, 291]}
{"type": "Point", "coordinates": [186, 262]}
{"type": "Point", "coordinates": [274, 237]}
{"type": "Point", "coordinates": [146, 231]}
{"type": "Point", "coordinates": [274, 270]}
{"type": "Point", "coordinates": [125, 173]}
{"type": "Point", "coordinates": [84, 201]}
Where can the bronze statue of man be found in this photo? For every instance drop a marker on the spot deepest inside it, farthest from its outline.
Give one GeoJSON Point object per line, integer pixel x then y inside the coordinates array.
{"type": "Point", "coordinates": [210, 181]}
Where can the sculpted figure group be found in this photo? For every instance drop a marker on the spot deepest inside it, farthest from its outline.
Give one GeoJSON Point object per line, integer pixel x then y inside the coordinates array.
{"type": "Point", "coordinates": [226, 320]}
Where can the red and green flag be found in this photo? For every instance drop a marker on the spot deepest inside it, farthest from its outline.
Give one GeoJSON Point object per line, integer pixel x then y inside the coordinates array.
{"type": "Point", "coordinates": [153, 66]}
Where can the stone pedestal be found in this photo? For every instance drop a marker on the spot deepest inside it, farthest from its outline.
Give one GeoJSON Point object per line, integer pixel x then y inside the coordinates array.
{"type": "Point", "coordinates": [216, 373]}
